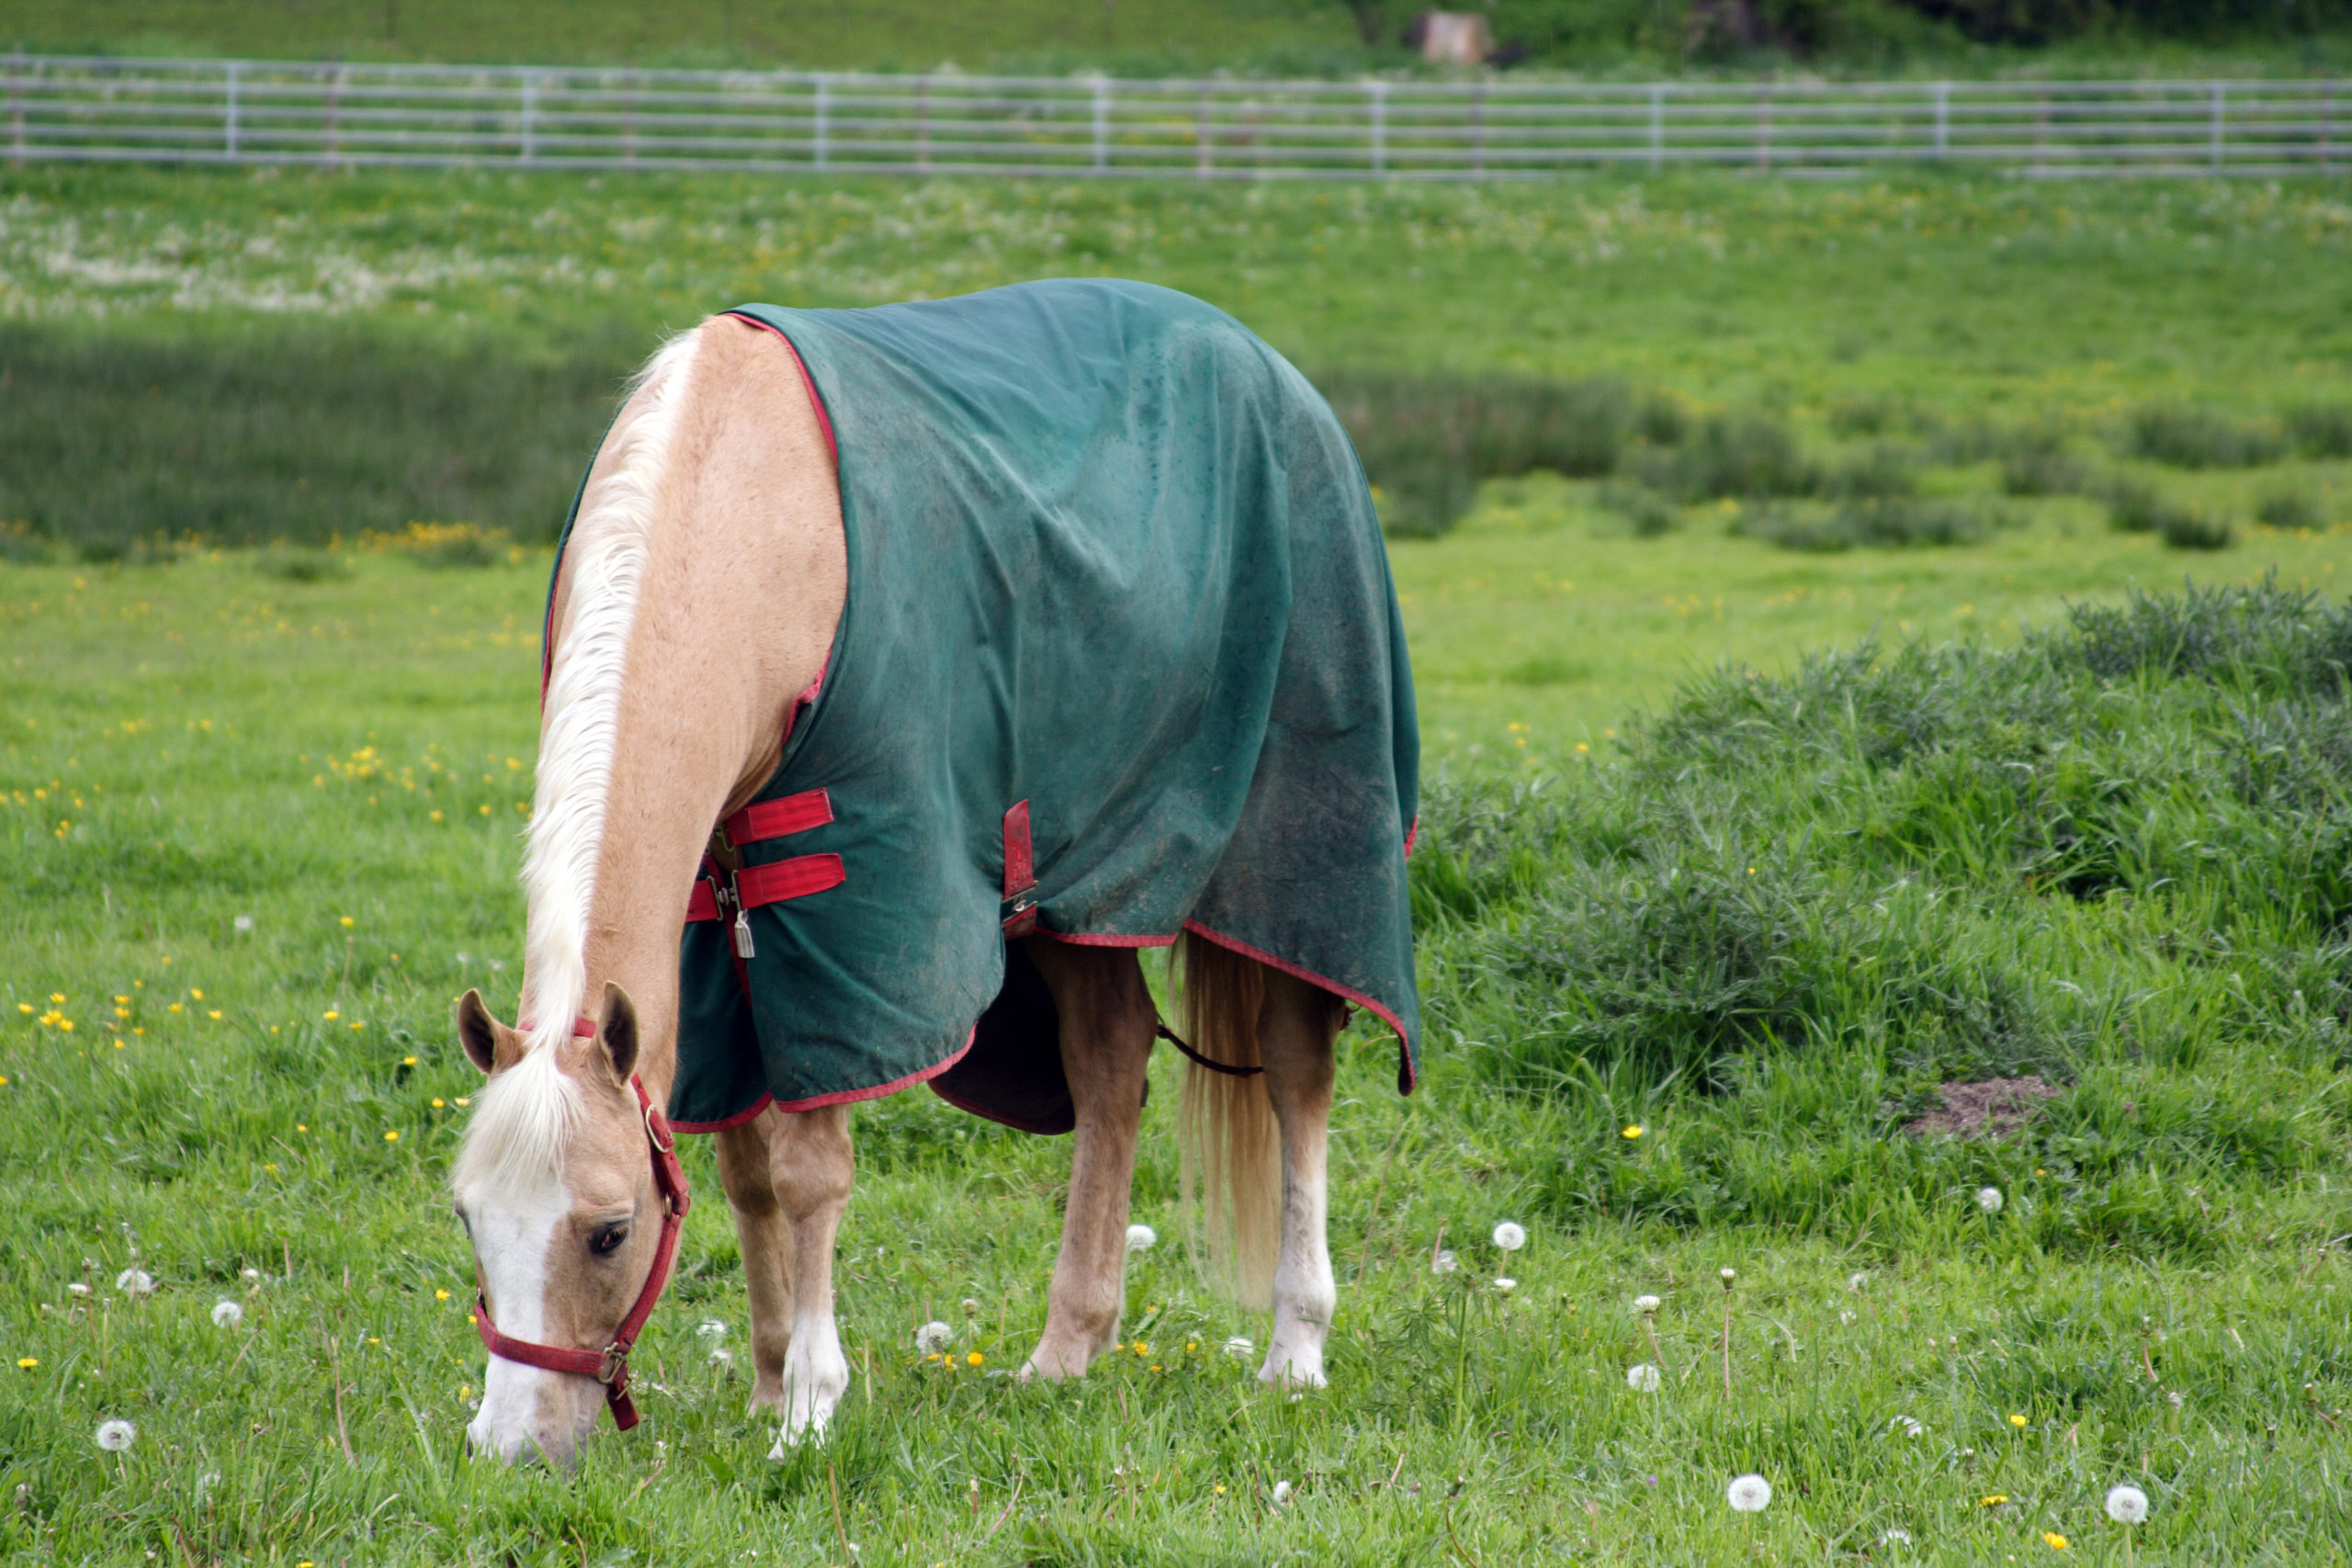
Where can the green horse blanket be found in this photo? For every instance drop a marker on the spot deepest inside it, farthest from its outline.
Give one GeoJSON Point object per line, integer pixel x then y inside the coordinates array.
{"type": "Point", "coordinates": [1120, 657]}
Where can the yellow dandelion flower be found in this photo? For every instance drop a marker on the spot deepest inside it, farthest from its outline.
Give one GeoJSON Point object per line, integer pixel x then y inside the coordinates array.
{"type": "Point", "coordinates": [301, 1126]}
{"type": "Point", "coordinates": [58, 998]}
{"type": "Point", "coordinates": [176, 1007]}
{"type": "Point", "coordinates": [28, 1362]}
{"type": "Point", "coordinates": [2057, 1542]}
{"type": "Point", "coordinates": [2017, 1420]}
{"type": "Point", "coordinates": [24, 1007]}
{"type": "Point", "coordinates": [1992, 1500]}
{"type": "Point", "coordinates": [359, 1025]}
{"type": "Point", "coordinates": [974, 1359]}
{"type": "Point", "coordinates": [346, 919]}
{"type": "Point", "coordinates": [392, 1135]}
{"type": "Point", "coordinates": [197, 991]}
{"type": "Point", "coordinates": [408, 1061]}
{"type": "Point", "coordinates": [440, 1295]}
{"type": "Point", "coordinates": [214, 1014]}
{"type": "Point", "coordinates": [437, 1105]}
{"type": "Point", "coordinates": [1634, 1131]}
{"type": "Point", "coordinates": [464, 1100]}
{"type": "Point", "coordinates": [270, 1168]}
{"type": "Point", "coordinates": [437, 816]}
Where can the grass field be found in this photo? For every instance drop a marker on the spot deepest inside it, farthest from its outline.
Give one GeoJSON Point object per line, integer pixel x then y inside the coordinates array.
{"type": "Point", "coordinates": [260, 816]}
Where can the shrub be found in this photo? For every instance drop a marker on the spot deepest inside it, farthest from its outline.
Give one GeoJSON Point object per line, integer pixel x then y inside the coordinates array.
{"type": "Point", "coordinates": [2191, 436]}
{"type": "Point", "coordinates": [1883, 470]}
{"type": "Point", "coordinates": [1646, 513]}
{"type": "Point", "coordinates": [2289, 509]}
{"type": "Point", "coordinates": [1887, 522]}
{"type": "Point", "coordinates": [1730, 455]}
{"type": "Point", "coordinates": [1427, 441]}
{"type": "Point", "coordinates": [2136, 507]}
{"type": "Point", "coordinates": [2043, 469]}
{"type": "Point", "coordinates": [2186, 530]}
{"type": "Point", "coordinates": [2321, 429]}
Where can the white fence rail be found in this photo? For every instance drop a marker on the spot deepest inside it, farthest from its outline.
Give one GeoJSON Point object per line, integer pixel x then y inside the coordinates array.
{"type": "Point", "coordinates": [542, 116]}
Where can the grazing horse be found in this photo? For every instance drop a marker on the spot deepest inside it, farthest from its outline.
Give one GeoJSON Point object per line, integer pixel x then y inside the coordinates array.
{"type": "Point", "coordinates": [907, 671]}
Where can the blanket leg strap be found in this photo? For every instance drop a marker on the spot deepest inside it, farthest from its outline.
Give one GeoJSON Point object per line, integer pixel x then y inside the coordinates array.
{"type": "Point", "coordinates": [1227, 1068]}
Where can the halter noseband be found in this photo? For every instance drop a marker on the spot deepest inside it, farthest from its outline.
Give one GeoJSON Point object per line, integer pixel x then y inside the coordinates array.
{"type": "Point", "coordinates": [610, 1365]}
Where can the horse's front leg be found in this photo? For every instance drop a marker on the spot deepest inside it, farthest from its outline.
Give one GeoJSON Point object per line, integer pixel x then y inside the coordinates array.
{"type": "Point", "coordinates": [1295, 1031]}
{"type": "Point", "coordinates": [1107, 1035]}
{"type": "Point", "coordinates": [765, 1238]}
{"type": "Point", "coordinates": [809, 1164]}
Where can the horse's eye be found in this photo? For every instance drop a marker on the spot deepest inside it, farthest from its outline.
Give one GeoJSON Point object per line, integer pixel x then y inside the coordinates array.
{"type": "Point", "coordinates": [463, 1221]}
{"type": "Point", "coordinates": [602, 1242]}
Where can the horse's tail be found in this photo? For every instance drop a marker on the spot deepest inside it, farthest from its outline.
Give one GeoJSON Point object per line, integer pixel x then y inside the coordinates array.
{"type": "Point", "coordinates": [1228, 1145]}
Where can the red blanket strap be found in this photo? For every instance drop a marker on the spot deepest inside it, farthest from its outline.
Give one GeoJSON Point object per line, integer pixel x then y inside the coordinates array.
{"type": "Point", "coordinates": [766, 820]}
{"type": "Point", "coordinates": [795, 878]}
{"type": "Point", "coordinates": [610, 1365]}
{"type": "Point", "coordinates": [1019, 911]}
{"type": "Point", "coordinates": [702, 904]}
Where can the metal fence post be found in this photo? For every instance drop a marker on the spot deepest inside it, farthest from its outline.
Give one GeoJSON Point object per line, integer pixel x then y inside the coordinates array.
{"type": "Point", "coordinates": [1379, 91]}
{"type": "Point", "coordinates": [17, 108]}
{"type": "Point", "coordinates": [1657, 125]}
{"type": "Point", "coordinates": [529, 150]}
{"type": "Point", "coordinates": [825, 152]}
{"type": "Point", "coordinates": [1203, 160]}
{"type": "Point", "coordinates": [923, 123]}
{"type": "Point", "coordinates": [2327, 124]}
{"type": "Point", "coordinates": [1943, 122]}
{"type": "Point", "coordinates": [334, 104]}
{"type": "Point", "coordinates": [1478, 130]}
{"type": "Point", "coordinates": [1101, 124]}
{"type": "Point", "coordinates": [1764, 126]}
{"type": "Point", "coordinates": [229, 115]}
{"type": "Point", "coordinates": [2220, 92]}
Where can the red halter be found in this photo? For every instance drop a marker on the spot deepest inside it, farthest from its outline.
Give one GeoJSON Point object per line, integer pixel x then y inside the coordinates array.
{"type": "Point", "coordinates": [610, 1365]}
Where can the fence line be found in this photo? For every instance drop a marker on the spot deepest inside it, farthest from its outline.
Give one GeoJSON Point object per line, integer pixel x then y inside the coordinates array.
{"type": "Point", "coordinates": [62, 108]}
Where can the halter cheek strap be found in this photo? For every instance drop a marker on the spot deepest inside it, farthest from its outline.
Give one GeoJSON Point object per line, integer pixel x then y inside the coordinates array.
{"type": "Point", "coordinates": [610, 1365]}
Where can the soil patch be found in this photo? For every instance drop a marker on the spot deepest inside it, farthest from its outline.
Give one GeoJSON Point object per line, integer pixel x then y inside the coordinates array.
{"type": "Point", "coordinates": [1993, 1109]}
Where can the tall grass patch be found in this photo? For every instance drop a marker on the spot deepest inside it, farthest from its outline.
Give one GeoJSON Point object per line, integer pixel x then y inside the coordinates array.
{"type": "Point", "coordinates": [1797, 906]}
{"type": "Point", "coordinates": [109, 442]}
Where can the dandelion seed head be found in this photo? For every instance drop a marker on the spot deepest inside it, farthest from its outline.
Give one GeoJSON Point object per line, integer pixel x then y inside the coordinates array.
{"type": "Point", "coordinates": [711, 1330]}
{"type": "Point", "coordinates": [1282, 1491]}
{"type": "Point", "coordinates": [1646, 1305]}
{"type": "Point", "coordinates": [933, 1337]}
{"type": "Point", "coordinates": [1989, 1200]}
{"type": "Point", "coordinates": [1444, 1262]}
{"type": "Point", "coordinates": [2126, 1504]}
{"type": "Point", "coordinates": [1510, 1236]}
{"type": "Point", "coordinates": [115, 1437]}
{"type": "Point", "coordinates": [1729, 1274]}
{"type": "Point", "coordinates": [720, 1356]}
{"type": "Point", "coordinates": [1857, 1280]}
{"type": "Point", "coordinates": [1240, 1347]}
{"type": "Point", "coordinates": [1906, 1427]}
{"type": "Point", "coordinates": [1505, 1283]}
{"type": "Point", "coordinates": [1142, 1239]}
{"type": "Point", "coordinates": [971, 1307]}
{"type": "Point", "coordinates": [1895, 1535]}
{"type": "Point", "coordinates": [1644, 1378]}
{"type": "Point", "coordinates": [226, 1314]}
{"type": "Point", "coordinates": [1748, 1493]}
{"type": "Point", "coordinates": [75, 1288]}
{"type": "Point", "coordinates": [242, 924]}
{"type": "Point", "coordinates": [135, 1281]}
{"type": "Point", "coordinates": [251, 1276]}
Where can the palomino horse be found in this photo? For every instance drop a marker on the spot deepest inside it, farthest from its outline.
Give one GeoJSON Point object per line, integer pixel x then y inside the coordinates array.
{"type": "Point", "coordinates": [728, 582]}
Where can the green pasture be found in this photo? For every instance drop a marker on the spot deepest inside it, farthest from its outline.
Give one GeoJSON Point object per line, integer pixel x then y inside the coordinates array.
{"type": "Point", "coordinates": [1735, 856]}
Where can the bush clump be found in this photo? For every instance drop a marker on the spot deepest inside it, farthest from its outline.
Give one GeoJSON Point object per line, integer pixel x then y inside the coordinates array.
{"type": "Point", "coordinates": [1427, 441]}
{"type": "Point", "coordinates": [1798, 904]}
{"type": "Point", "coordinates": [2185, 435]}
{"type": "Point", "coordinates": [1745, 454]}
{"type": "Point", "coordinates": [1888, 523]}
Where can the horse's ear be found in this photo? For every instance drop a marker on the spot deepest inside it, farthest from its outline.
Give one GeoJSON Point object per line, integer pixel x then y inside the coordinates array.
{"type": "Point", "coordinates": [489, 1043]}
{"type": "Point", "coordinates": [617, 1030]}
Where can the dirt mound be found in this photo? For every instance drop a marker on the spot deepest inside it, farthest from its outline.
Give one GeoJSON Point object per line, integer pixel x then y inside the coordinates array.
{"type": "Point", "coordinates": [1993, 1109]}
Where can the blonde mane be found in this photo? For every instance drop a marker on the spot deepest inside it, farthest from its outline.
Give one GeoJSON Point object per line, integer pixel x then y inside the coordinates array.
{"type": "Point", "coordinates": [516, 1137]}
{"type": "Point", "coordinates": [604, 566]}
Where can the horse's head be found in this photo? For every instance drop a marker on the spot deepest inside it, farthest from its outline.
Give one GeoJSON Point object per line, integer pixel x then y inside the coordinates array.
{"type": "Point", "coordinates": [556, 1193]}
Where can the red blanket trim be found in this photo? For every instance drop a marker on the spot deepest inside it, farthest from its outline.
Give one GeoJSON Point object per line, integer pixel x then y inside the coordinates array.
{"type": "Point", "coordinates": [824, 420]}
{"type": "Point", "coordinates": [1085, 939]}
{"type": "Point", "coordinates": [720, 1126]}
{"type": "Point", "coordinates": [1406, 1077]}
{"type": "Point", "coordinates": [765, 820]}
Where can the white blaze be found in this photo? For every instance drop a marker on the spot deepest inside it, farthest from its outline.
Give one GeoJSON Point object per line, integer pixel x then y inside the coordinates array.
{"type": "Point", "coordinates": [513, 1238]}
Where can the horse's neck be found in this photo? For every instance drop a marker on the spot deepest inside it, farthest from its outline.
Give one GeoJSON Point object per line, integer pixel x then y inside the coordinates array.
{"type": "Point", "coordinates": [741, 591]}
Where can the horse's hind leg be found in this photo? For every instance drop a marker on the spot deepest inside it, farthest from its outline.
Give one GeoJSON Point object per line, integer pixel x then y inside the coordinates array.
{"type": "Point", "coordinates": [1106, 1034]}
{"type": "Point", "coordinates": [1295, 1030]}
{"type": "Point", "coordinates": [809, 1164]}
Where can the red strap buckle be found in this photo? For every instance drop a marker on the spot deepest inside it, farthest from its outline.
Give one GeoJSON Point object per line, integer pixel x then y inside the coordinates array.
{"type": "Point", "coordinates": [1019, 911]}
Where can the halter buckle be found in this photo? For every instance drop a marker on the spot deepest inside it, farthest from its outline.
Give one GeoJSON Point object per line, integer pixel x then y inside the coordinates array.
{"type": "Point", "coordinates": [614, 1366]}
